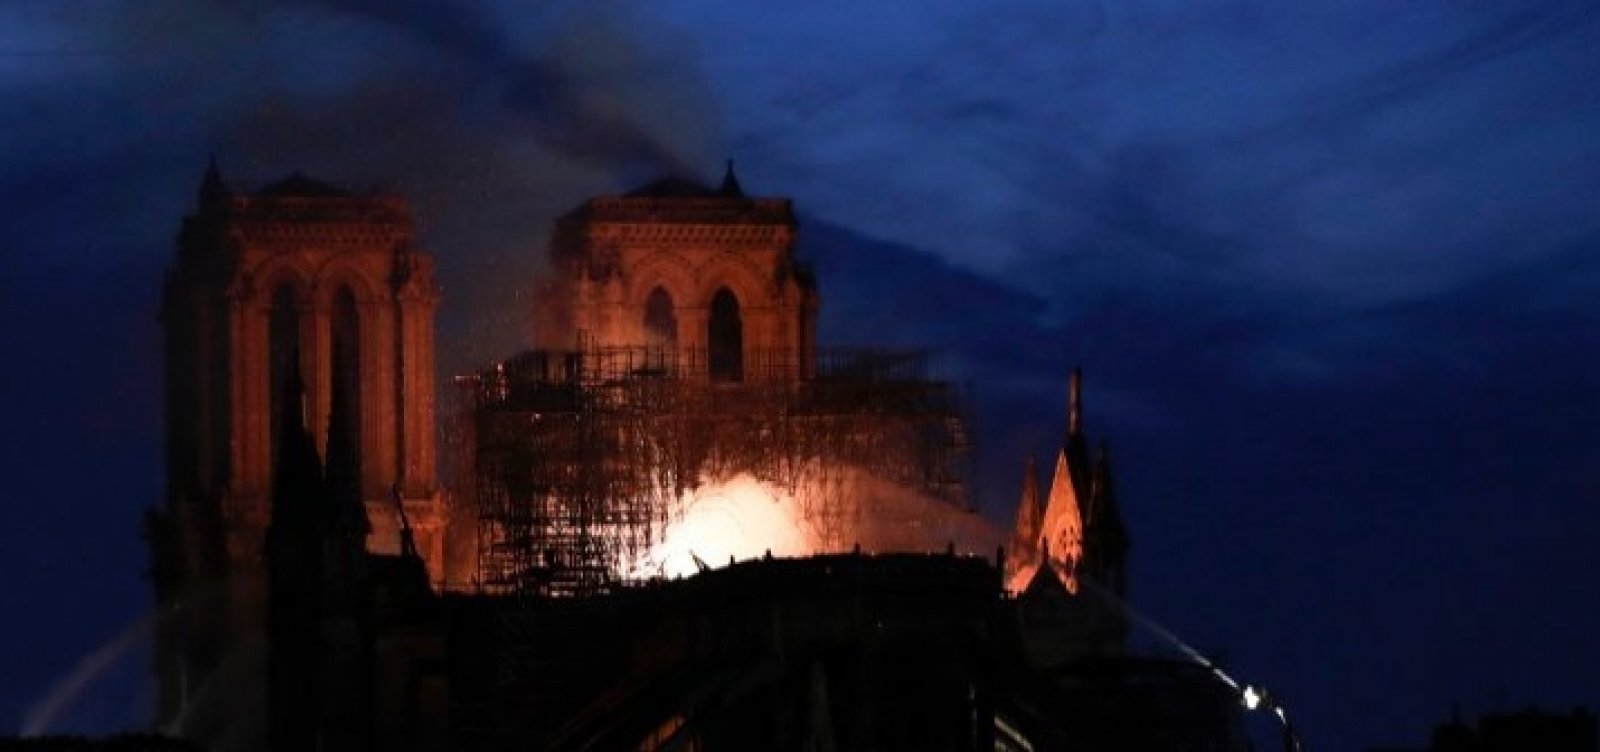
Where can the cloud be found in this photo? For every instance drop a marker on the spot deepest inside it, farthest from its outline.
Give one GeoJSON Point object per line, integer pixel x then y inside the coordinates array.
{"type": "Point", "coordinates": [107, 132]}
{"type": "Point", "coordinates": [1348, 155]}
{"type": "Point", "coordinates": [1328, 268]}
{"type": "Point", "coordinates": [1437, 68]}
{"type": "Point", "coordinates": [490, 125]}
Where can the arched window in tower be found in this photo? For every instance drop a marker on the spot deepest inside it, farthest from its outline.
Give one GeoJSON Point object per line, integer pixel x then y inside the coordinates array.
{"type": "Point", "coordinates": [283, 357]}
{"type": "Point", "coordinates": [660, 320]}
{"type": "Point", "coordinates": [725, 338]}
{"type": "Point", "coordinates": [346, 359]}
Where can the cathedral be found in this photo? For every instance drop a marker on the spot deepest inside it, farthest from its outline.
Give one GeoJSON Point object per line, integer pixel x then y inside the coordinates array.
{"type": "Point", "coordinates": [676, 360]}
{"type": "Point", "coordinates": [680, 268]}
{"type": "Point", "coordinates": [323, 588]}
{"type": "Point", "coordinates": [296, 283]}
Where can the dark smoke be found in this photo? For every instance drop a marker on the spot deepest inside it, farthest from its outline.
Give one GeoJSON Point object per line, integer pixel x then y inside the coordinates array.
{"type": "Point", "coordinates": [489, 128]}
{"type": "Point", "coordinates": [577, 94]}
{"type": "Point", "coordinates": [450, 27]}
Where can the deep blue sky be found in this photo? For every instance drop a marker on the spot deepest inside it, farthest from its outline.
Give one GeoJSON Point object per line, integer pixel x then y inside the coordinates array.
{"type": "Point", "coordinates": [1332, 270]}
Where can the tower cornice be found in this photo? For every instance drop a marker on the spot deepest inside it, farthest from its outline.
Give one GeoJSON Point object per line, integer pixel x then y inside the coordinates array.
{"type": "Point", "coordinates": [670, 234]}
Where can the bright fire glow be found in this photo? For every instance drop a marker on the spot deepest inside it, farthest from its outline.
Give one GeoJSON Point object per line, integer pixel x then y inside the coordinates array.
{"type": "Point", "coordinates": [740, 518]}
{"type": "Point", "coordinates": [744, 518]}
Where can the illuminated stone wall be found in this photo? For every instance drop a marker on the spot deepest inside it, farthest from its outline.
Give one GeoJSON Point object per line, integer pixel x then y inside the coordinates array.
{"type": "Point", "coordinates": [297, 276]}
{"type": "Point", "coordinates": [676, 266]}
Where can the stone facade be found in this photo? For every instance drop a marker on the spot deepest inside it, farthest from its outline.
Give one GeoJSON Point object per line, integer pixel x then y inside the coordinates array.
{"type": "Point", "coordinates": [705, 280]}
{"type": "Point", "coordinates": [295, 276]}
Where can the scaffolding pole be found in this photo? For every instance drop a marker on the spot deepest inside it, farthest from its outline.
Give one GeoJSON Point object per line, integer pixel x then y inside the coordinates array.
{"type": "Point", "coordinates": [581, 458]}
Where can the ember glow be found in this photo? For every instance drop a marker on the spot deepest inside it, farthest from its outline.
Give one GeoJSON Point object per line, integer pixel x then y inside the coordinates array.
{"type": "Point", "coordinates": [740, 518]}
{"type": "Point", "coordinates": [744, 518]}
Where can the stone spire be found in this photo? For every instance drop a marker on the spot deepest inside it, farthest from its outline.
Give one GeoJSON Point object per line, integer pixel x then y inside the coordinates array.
{"type": "Point", "coordinates": [297, 474]}
{"type": "Point", "coordinates": [345, 508]}
{"type": "Point", "coordinates": [1105, 537]}
{"type": "Point", "coordinates": [342, 656]}
{"type": "Point", "coordinates": [318, 617]}
{"type": "Point", "coordinates": [1075, 404]}
{"type": "Point", "coordinates": [294, 573]}
{"type": "Point", "coordinates": [1062, 529]}
{"type": "Point", "coordinates": [1026, 553]}
{"type": "Point", "coordinates": [1076, 445]}
{"type": "Point", "coordinates": [1030, 514]}
{"type": "Point", "coordinates": [730, 183]}
{"type": "Point", "coordinates": [212, 190]}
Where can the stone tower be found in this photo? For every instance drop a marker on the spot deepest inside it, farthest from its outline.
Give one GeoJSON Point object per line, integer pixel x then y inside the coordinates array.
{"type": "Point", "coordinates": [295, 282]}
{"type": "Point", "coordinates": [1079, 530]}
{"type": "Point", "coordinates": [701, 280]}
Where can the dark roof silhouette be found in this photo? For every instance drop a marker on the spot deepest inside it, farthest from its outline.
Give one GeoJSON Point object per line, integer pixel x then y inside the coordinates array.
{"type": "Point", "coordinates": [298, 185]}
{"type": "Point", "coordinates": [673, 187]}
{"type": "Point", "coordinates": [730, 183]}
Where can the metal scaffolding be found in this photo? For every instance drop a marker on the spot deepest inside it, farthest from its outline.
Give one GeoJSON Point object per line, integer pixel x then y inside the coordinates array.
{"type": "Point", "coordinates": [581, 458]}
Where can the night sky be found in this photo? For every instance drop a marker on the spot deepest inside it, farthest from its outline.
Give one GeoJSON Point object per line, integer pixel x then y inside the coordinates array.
{"type": "Point", "coordinates": [1332, 272]}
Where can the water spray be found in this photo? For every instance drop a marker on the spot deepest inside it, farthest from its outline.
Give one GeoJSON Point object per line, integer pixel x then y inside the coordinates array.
{"type": "Point", "coordinates": [1251, 696]}
{"type": "Point", "coordinates": [89, 668]}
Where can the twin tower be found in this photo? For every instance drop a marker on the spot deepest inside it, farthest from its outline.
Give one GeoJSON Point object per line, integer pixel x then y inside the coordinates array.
{"type": "Point", "coordinates": [301, 291]}
{"type": "Point", "coordinates": [295, 283]}
{"type": "Point", "coordinates": [301, 282]}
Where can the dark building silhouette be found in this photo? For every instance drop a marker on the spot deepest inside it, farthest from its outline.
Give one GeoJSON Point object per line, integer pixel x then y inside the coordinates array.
{"type": "Point", "coordinates": [117, 743]}
{"type": "Point", "coordinates": [685, 349]}
{"type": "Point", "coordinates": [294, 282]}
{"type": "Point", "coordinates": [1529, 730]}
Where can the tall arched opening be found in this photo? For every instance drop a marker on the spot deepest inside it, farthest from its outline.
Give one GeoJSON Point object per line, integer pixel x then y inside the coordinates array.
{"type": "Point", "coordinates": [725, 338]}
{"type": "Point", "coordinates": [660, 320]}
{"type": "Point", "coordinates": [346, 371]}
{"type": "Point", "coordinates": [283, 359]}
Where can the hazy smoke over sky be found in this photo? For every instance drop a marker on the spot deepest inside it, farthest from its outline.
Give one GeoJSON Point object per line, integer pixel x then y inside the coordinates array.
{"type": "Point", "coordinates": [1330, 269]}
{"type": "Point", "coordinates": [489, 129]}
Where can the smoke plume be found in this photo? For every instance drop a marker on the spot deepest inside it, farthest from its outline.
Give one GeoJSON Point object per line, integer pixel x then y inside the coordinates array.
{"type": "Point", "coordinates": [489, 126]}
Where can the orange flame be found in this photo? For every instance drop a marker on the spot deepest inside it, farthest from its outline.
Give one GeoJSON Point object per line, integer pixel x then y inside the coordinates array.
{"type": "Point", "coordinates": [744, 518]}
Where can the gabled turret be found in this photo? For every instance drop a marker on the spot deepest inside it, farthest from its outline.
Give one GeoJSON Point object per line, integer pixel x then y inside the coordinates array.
{"type": "Point", "coordinates": [346, 514]}
{"type": "Point", "coordinates": [344, 654]}
{"type": "Point", "coordinates": [730, 184]}
{"type": "Point", "coordinates": [1025, 554]}
{"type": "Point", "coordinates": [1061, 535]}
{"type": "Point", "coordinates": [1069, 593]}
{"type": "Point", "coordinates": [213, 191]}
{"type": "Point", "coordinates": [1105, 538]}
{"type": "Point", "coordinates": [1080, 528]}
{"type": "Point", "coordinates": [318, 620]}
{"type": "Point", "coordinates": [294, 576]}
{"type": "Point", "coordinates": [1030, 513]}
{"type": "Point", "coordinates": [1061, 532]}
{"type": "Point", "coordinates": [297, 491]}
